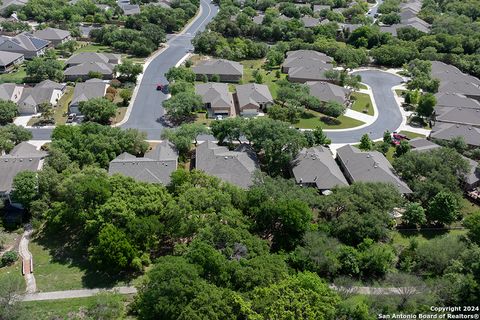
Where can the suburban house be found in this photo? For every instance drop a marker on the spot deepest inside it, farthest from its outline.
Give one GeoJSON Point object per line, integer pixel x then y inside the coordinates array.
{"type": "Point", "coordinates": [23, 157]}
{"type": "Point", "coordinates": [258, 19]}
{"type": "Point", "coordinates": [10, 92]}
{"type": "Point", "coordinates": [81, 65]}
{"type": "Point", "coordinates": [155, 166]}
{"type": "Point", "coordinates": [310, 22]}
{"type": "Point", "coordinates": [55, 36]}
{"type": "Point", "coordinates": [228, 71]}
{"type": "Point", "coordinates": [128, 8]}
{"type": "Point", "coordinates": [236, 167]}
{"type": "Point", "coordinates": [458, 115]}
{"type": "Point", "coordinates": [447, 99]}
{"type": "Point", "coordinates": [316, 167]}
{"type": "Point", "coordinates": [368, 166]}
{"type": "Point", "coordinates": [218, 100]}
{"type": "Point", "coordinates": [4, 4]}
{"type": "Point", "coordinates": [452, 80]}
{"type": "Point", "coordinates": [9, 60]}
{"type": "Point", "coordinates": [306, 65]}
{"type": "Point", "coordinates": [472, 178]}
{"type": "Point", "coordinates": [93, 88]}
{"type": "Point", "coordinates": [320, 7]}
{"type": "Point", "coordinates": [326, 91]}
{"type": "Point", "coordinates": [252, 98]}
{"type": "Point", "coordinates": [448, 131]}
{"type": "Point", "coordinates": [24, 43]}
{"type": "Point", "coordinates": [46, 91]}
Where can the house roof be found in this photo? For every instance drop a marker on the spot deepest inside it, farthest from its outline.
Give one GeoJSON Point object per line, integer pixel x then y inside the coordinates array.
{"type": "Point", "coordinates": [23, 157]}
{"type": "Point", "coordinates": [155, 167]}
{"type": "Point", "coordinates": [315, 72]}
{"type": "Point", "coordinates": [130, 9]}
{"type": "Point", "coordinates": [317, 166]}
{"type": "Point", "coordinates": [85, 68]}
{"type": "Point", "coordinates": [447, 99]}
{"type": "Point", "coordinates": [218, 66]}
{"type": "Point", "coordinates": [5, 3]}
{"type": "Point", "coordinates": [52, 34]}
{"type": "Point", "coordinates": [448, 131]}
{"type": "Point", "coordinates": [6, 90]}
{"type": "Point", "coordinates": [26, 41]}
{"type": "Point", "coordinates": [459, 115]}
{"type": "Point", "coordinates": [305, 55]}
{"type": "Point", "coordinates": [93, 88]}
{"type": "Point", "coordinates": [236, 167]}
{"type": "Point", "coordinates": [320, 7]}
{"type": "Point", "coordinates": [310, 22]}
{"type": "Point", "coordinates": [216, 94]}
{"type": "Point", "coordinates": [369, 166]}
{"type": "Point", "coordinates": [39, 94]}
{"type": "Point", "coordinates": [253, 93]}
{"type": "Point", "coordinates": [258, 19]}
{"type": "Point", "coordinates": [8, 57]}
{"type": "Point", "coordinates": [83, 57]}
{"type": "Point", "coordinates": [422, 144]}
{"type": "Point", "coordinates": [448, 72]}
{"type": "Point", "coordinates": [326, 91]}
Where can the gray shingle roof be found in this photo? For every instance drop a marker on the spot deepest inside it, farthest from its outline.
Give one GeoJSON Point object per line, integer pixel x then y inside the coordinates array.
{"type": "Point", "coordinates": [448, 131]}
{"type": "Point", "coordinates": [236, 167]}
{"type": "Point", "coordinates": [93, 88]}
{"type": "Point", "coordinates": [5, 3]}
{"type": "Point", "coordinates": [422, 144]}
{"type": "Point", "coordinates": [310, 22]}
{"type": "Point", "coordinates": [216, 94]}
{"type": "Point", "coordinates": [218, 66]}
{"type": "Point", "coordinates": [7, 58]}
{"type": "Point", "coordinates": [52, 34]}
{"type": "Point", "coordinates": [460, 115]}
{"type": "Point", "coordinates": [448, 73]}
{"type": "Point", "coordinates": [24, 157]}
{"type": "Point", "coordinates": [317, 166]}
{"type": "Point", "coordinates": [446, 99]}
{"type": "Point", "coordinates": [369, 166]}
{"type": "Point", "coordinates": [6, 90]}
{"type": "Point", "coordinates": [26, 41]}
{"type": "Point", "coordinates": [326, 91]}
{"type": "Point", "coordinates": [85, 68]}
{"type": "Point", "coordinates": [155, 167]}
{"type": "Point", "coordinates": [41, 93]}
{"type": "Point", "coordinates": [83, 57]}
{"type": "Point", "coordinates": [253, 93]}
{"type": "Point", "coordinates": [315, 72]}
{"type": "Point", "coordinates": [320, 7]}
{"type": "Point", "coordinates": [130, 9]}
{"type": "Point", "coordinates": [305, 55]}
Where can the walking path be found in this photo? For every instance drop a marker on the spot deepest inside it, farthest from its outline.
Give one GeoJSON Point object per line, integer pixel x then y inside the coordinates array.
{"type": "Point", "coordinates": [70, 294]}
{"type": "Point", "coordinates": [27, 260]}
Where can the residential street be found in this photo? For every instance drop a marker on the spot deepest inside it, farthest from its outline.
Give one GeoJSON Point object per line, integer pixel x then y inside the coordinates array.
{"type": "Point", "coordinates": [389, 115]}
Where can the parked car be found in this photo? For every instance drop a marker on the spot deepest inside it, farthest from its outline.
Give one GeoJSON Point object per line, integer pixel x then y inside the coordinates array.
{"type": "Point", "coordinates": [159, 87]}
{"type": "Point", "coordinates": [71, 117]}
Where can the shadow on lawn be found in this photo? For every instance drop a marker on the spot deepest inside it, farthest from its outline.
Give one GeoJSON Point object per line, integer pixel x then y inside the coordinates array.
{"type": "Point", "coordinates": [73, 251]}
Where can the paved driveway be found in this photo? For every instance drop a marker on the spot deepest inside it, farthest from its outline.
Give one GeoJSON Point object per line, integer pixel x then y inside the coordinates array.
{"type": "Point", "coordinates": [147, 108]}
{"type": "Point", "coordinates": [389, 115]}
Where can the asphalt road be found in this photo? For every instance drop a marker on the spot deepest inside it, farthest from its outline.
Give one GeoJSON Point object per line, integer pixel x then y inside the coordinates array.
{"type": "Point", "coordinates": [389, 116]}
{"type": "Point", "coordinates": [374, 9]}
{"type": "Point", "coordinates": [147, 108]}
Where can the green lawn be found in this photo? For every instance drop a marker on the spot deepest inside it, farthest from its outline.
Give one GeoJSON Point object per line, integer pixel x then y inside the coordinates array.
{"type": "Point", "coordinates": [62, 309]}
{"type": "Point", "coordinates": [14, 77]}
{"type": "Point", "coordinates": [362, 103]}
{"type": "Point", "coordinates": [269, 77]}
{"type": "Point", "coordinates": [15, 270]}
{"type": "Point", "coordinates": [362, 86]}
{"type": "Point", "coordinates": [202, 119]}
{"type": "Point", "coordinates": [400, 92]}
{"type": "Point", "coordinates": [60, 111]}
{"type": "Point", "coordinates": [412, 135]}
{"type": "Point", "coordinates": [61, 264]}
{"type": "Point", "coordinates": [92, 47]}
{"type": "Point", "coordinates": [402, 237]}
{"type": "Point", "coordinates": [311, 119]}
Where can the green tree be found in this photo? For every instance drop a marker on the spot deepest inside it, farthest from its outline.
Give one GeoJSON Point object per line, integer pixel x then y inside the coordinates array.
{"type": "Point", "coordinates": [443, 208]}
{"type": "Point", "coordinates": [128, 70]}
{"type": "Point", "coordinates": [10, 288]}
{"type": "Point", "coordinates": [284, 113]}
{"type": "Point", "coordinates": [414, 214]}
{"type": "Point", "coordinates": [25, 188]}
{"type": "Point", "coordinates": [8, 111]}
{"type": "Point", "coordinates": [402, 148]}
{"type": "Point", "coordinates": [472, 223]}
{"type": "Point", "coordinates": [126, 95]}
{"type": "Point", "coordinates": [316, 137]}
{"type": "Point", "coordinates": [40, 69]}
{"type": "Point", "coordinates": [184, 136]}
{"type": "Point", "coordinates": [365, 143]}
{"type": "Point", "coordinates": [98, 110]}
{"type": "Point", "coordinates": [179, 107]}
{"type": "Point", "coordinates": [8, 258]}
{"type": "Point", "coordinates": [112, 251]}
{"type": "Point", "coordinates": [333, 109]}
{"type": "Point", "coordinates": [302, 296]}
{"type": "Point", "coordinates": [228, 130]}
{"type": "Point", "coordinates": [180, 73]}
{"type": "Point", "coordinates": [387, 137]}
{"type": "Point", "coordinates": [426, 105]}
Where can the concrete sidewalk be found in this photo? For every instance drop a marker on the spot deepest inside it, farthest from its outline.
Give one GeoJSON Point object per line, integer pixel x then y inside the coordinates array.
{"type": "Point", "coordinates": [70, 294]}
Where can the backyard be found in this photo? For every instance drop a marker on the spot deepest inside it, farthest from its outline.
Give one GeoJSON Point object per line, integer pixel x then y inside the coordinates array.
{"type": "Point", "coordinates": [310, 119]}
{"type": "Point", "coordinates": [268, 76]}
{"type": "Point", "coordinates": [16, 76]}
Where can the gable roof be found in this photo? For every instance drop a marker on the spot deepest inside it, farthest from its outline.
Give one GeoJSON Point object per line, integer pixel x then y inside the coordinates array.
{"type": "Point", "coordinates": [326, 91]}
{"type": "Point", "coordinates": [466, 116]}
{"type": "Point", "coordinates": [216, 94]}
{"type": "Point", "coordinates": [85, 68]}
{"type": "Point", "coordinates": [422, 144]}
{"type": "Point", "coordinates": [26, 41]}
{"type": "Point", "coordinates": [218, 66]}
{"type": "Point", "coordinates": [448, 72]}
{"type": "Point", "coordinates": [317, 166]}
{"type": "Point", "coordinates": [369, 166]}
{"type": "Point", "coordinates": [39, 94]}
{"type": "Point", "coordinates": [253, 93]}
{"type": "Point", "coordinates": [316, 72]}
{"type": "Point", "coordinates": [310, 22]}
{"type": "Point", "coordinates": [93, 88]}
{"type": "Point", "coordinates": [83, 57]}
{"type": "Point", "coordinates": [306, 55]}
{"type": "Point", "coordinates": [155, 167]}
{"type": "Point", "coordinates": [236, 167]}
{"type": "Point", "coordinates": [448, 131]}
{"type": "Point", "coordinates": [8, 57]}
{"type": "Point", "coordinates": [6, 90]}
{"type": "Point", "coordinates": [447, 99]}
{"type": "Point", "coordinates": [52, 34]}
{"type": "Point", "coordinates": [23, 157]}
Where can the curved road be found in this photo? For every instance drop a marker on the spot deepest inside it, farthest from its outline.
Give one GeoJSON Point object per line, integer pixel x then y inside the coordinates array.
{"type": "Point", "coordinates": [389, 115]}
{"type": "Point", "coordinates": [147, 106]}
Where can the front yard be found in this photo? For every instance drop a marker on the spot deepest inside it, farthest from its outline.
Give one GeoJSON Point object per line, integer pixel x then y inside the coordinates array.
{"type": "Point", "coordinates": [362, 103]}
{"type": "Point", "coordinates": [311, 119]}
{"type": "Point", "coordinates": [16, 76]}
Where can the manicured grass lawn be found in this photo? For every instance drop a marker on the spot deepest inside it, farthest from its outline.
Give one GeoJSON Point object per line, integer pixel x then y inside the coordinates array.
{"type": "Point", "coordinates": [62, 264]}
{"type": "Point", "coordinates": [311, 119]}
{"type": "Point", "coordinates": [92, 47]}
{"type": "Point", "coordinates": [269, 77]}
{"type": "Point", "coordinates": [468, 207]}
{"type": "Point", "coordinates": [61, 309]}
{"type": "Point", "coordinates": [15, 270]}
{"type": "Point", "coordinates": [412, 135]}
{"type": "Point", "coordinates": [362, 86]}
{"type": "Point", "coordinates": [362, 102]}
{"type": "Point", "coordinates": [202, 119]}
{"type": "Point", "coordinates": [14, 77]}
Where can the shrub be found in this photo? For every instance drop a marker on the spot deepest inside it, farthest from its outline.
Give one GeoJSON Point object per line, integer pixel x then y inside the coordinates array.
{"type": "Point", "coordinates": [330, 120]}
{"type": "Point", "coordinates": [8, 258]}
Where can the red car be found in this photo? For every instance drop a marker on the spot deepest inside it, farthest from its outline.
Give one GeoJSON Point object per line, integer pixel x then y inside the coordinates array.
{"type": "Point", "coordinates": [159, 87]}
